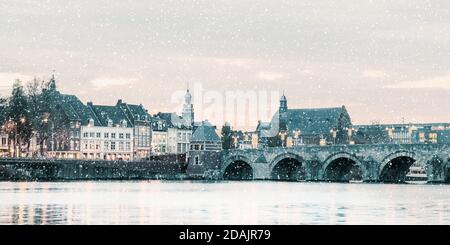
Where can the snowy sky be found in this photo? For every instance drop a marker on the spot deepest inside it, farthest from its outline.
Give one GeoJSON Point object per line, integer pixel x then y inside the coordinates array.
{"type": "Point", "coordinates": [384, 60]}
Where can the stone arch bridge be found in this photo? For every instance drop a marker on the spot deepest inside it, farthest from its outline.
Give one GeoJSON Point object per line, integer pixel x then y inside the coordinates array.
{"type": "Point", "coordinates": [340, 163]}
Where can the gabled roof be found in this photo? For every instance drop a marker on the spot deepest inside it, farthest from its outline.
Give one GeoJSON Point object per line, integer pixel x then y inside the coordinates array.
{"type": "Point", "coordinates": [205, 133]}
{"type": "Point", "coordinates": [74, 109]}
{"type": "Point", "coordinates": [138, 110]}
{"type": "Point", "coordinates": [114, 113]}
{"type": "Point", "coordinates": [314, 121]}
{"type": "Point", "coordinates": [134, 112]}
{"type": "Point", "coordinates": [173, 120]}
{"type": "Point", "coordinates": [158, 124]}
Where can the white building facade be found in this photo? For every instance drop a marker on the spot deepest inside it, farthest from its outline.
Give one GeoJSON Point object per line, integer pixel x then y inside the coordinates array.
{"type": "Point", "coordinates": [107, 143]}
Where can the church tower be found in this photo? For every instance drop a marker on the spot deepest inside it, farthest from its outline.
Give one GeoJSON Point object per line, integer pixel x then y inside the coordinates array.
{"type": "Point", "coordinates": [283, 104]}
{"type": "Point", "coordinates": [188, 109]}
{"type": "Point", "coordinates": [283, 111]}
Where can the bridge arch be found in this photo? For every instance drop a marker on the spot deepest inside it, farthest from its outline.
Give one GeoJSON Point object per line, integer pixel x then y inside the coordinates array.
{"type": "Point", "coordinates": [238, 168]}
{"type": "Point", "coordinates": [343, 167]}
{"type": "Point", "coordinates": [288, 167]}
{"type": "Point", "coordinates": [395, 166]}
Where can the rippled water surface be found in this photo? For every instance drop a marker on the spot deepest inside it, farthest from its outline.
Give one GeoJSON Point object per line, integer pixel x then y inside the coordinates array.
{"type": "Point", "coordinates": [185, 202]}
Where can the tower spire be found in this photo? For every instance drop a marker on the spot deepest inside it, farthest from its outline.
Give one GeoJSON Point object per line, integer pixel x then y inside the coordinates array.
{"type": "Point", "coordinates": [52, 82]}
{"type": "Point", "coordinates": [188, 108]}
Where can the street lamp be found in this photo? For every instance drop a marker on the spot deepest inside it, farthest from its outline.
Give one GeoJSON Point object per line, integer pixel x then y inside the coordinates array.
{"type": "Point", "coordinates": [282, 135]}
{"type": "Point", "coordinates": [235, 141]}
{"type": "Point", "coordinates": [334, 134]}
{"type": "Point", "coordinates": [349, 133]}
{"type": "Point", "coordinates": [297, 136]}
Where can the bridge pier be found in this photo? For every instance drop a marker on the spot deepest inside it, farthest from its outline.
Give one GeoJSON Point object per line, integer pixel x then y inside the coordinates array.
{"type": "Point", "coordinates": [261, 171]}
{"type": "Point", "coordinates": [437, 170]}
{"type": "Point", "coordinates": [370, 175]}
{"type": "Point", "coordinates": [313, 170]}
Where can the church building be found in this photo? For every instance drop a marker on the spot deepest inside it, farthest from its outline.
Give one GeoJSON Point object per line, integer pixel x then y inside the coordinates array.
{"type": "Point", "coordinates": [293, 127]}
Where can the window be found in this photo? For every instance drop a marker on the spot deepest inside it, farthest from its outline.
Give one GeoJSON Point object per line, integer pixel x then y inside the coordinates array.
{"type": "Point", "coordinates": [85, 134]}
{"type": "Point", "coordinates": [433, 137]}
{"type": "Point", "coordinates": [120, 136]}
{"type": "Point", "coordinates": [106, 145]}
{"type": "Point", "coordinates": [196, 147]}
{"type": "Point", "coordinates": [91, 134]}
{"type": "Point", "coordinates": [110, 123]}
{"type": "Point", "coordinates": [422, 137]}
{"type": "Point", "coordinates": [128, 146]}
{"type": "Point", "coordinates": [124, 123]}
{"type": "Point", "coordinates": [85, 146]}
{"type": "Point", "coordinates": [196, 160]}
{"type": "Point", "coordinates": [98, 135]}
{"type": "Point", "coordinates": [128, 136]}
{"type": "Point", "coordinates": [97, 146]}
{"type": "Point", "coordinates": [113, 146]}
{"type": "Point", "coordinates": [106, 135]}
{"type": "Point", "coordinates": [120, 146]}
{"type": "Point", "coordinates": [113, 135]}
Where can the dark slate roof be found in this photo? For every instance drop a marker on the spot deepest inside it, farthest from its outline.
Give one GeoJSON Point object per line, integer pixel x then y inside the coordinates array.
{"type": "Point", "coordinates": [205, 133]}
{"type": "Point", "coordinates": [314, 121]}
{"type": "Point", "coordinates": [172, 120]}
{"type": "Point", "coordinates": [134, 112]}
{"type": "Point", "coordinates": [158, 124]}
{"type": "Point", "coordinates": [138, 110]}
{"type": "Point", "coordinates": [75, 110]}
{"type": "Point", "coordinates": [104, 113]}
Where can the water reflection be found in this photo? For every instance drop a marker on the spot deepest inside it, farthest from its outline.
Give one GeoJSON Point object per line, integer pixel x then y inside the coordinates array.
{"type": "Point", "coordinates": [159, 202]}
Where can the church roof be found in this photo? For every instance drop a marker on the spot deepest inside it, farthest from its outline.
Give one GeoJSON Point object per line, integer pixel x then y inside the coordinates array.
{"type": "Point", "coordinates": [314, 121]}
{"type": "Point", "coordinates": [205, 133]}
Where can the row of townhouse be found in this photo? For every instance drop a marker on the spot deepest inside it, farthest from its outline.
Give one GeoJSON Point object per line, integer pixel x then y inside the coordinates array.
{"type": "Point", "coordinates": [102, 132]}
{"type": "Point", "coordinates": [120, 132]}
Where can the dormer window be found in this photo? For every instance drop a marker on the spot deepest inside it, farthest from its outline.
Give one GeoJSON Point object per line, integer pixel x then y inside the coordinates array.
{"type": "Point", "coordinates": [91, 122]}
{"type": "Point", "coordinates": [124, 123]}
{"type": "Point", "coordinates": [110, 123]}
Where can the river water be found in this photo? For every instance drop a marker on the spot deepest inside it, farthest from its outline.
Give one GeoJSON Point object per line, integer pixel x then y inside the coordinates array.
{"type": "Point", "coordinates": [191, 202]}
